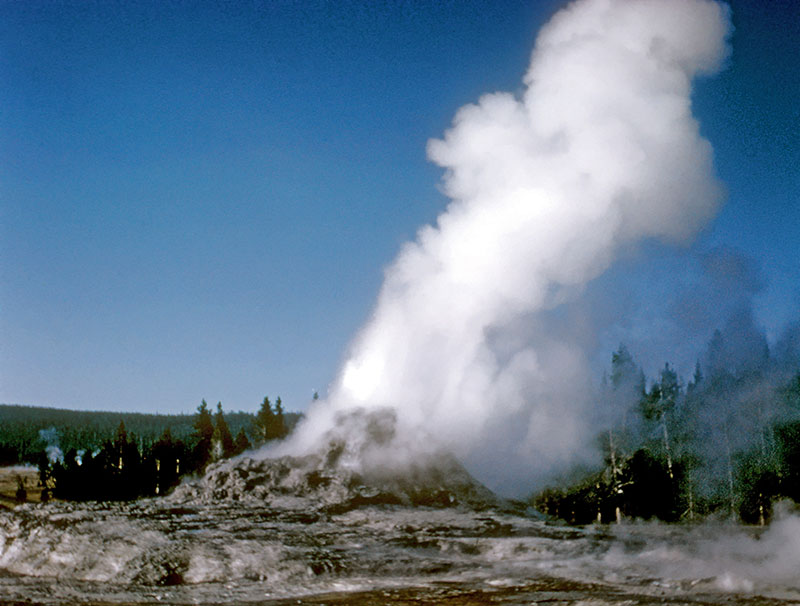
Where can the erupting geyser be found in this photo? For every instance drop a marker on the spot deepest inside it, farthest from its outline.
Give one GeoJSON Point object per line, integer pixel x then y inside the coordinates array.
{"type": "Point", "coordinates": [599, 152]}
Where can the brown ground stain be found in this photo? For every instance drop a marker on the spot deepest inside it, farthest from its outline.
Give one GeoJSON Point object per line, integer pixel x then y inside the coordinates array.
{"type": "Point", "coordinates": [8, 485]}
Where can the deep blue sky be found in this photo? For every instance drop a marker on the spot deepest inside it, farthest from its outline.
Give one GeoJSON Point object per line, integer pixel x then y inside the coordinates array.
{"type": "Point", "coordinates": [197, 199]}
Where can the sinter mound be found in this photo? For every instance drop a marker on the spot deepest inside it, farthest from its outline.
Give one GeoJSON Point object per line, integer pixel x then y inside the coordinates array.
{"type": "Point", "coordinates": [344, 474]}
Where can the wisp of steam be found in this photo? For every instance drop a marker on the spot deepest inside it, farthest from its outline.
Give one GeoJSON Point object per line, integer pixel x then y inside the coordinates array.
{"type": "Point", "coordinates": [600, 151]}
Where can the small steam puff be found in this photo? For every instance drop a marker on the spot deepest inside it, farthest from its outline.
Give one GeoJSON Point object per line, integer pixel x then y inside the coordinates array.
{"type": "Point", "coordinates": [601, 151]}
{"type": "Point", "coordinates": [50, 438]}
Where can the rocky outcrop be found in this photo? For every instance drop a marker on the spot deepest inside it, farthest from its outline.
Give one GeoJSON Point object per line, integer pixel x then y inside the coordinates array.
{"type": "Point", "coordinates": [352, 468]}
{"type": "Point", "coordinates": [442, 482]}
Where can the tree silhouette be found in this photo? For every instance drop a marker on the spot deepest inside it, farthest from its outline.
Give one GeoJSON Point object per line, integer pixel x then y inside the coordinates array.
{"type": "Point", "coordinates": [221, 440]}
{"type": "Point", "coordinates": [264, 421]}
{"type": "Point", "coordinates": [204, 434]}
{"type": "Point", "coordinates": [241, 443]}
{"type": "Point", "coordinates": [280, 431]}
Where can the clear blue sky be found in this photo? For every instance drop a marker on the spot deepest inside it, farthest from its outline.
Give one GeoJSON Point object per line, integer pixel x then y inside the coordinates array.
{"type": "Point", "coordinates": [197, 199]}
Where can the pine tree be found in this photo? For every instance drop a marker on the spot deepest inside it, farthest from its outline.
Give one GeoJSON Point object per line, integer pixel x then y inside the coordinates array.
{"type": "Point", "coordinates": [222, 440]}
{"type": "Point", "coordinates": [280, 431]}
{"type": "Point", "coordinates": [121, 437]}
{"type": "Point", "coordinates": [264, 421]}
{"type": "Point", "coordinates": [658, 405]}
{"type": "Point", "coordinates": [203, 423]}
{"type": "Point", "coordinates": [204, 434]}
{"type": "Point", "coordinates": [241, 443]}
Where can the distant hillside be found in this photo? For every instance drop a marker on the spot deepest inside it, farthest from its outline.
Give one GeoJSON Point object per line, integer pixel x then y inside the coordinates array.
{"type": "Point", "coordinates": [27, 431]}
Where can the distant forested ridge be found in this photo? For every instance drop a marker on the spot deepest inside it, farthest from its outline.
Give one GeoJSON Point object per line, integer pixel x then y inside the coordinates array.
{"type": "Point", "coordinates": [112, 456]}
{"type": "Point", "coordinates": [724, 443]}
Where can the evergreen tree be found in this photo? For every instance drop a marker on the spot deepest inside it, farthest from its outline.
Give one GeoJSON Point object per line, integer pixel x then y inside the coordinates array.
{"type": "Point", "coordinates": [203, 423]}
{"type": "Point", "coordinates": [241, 443]}
{"type": "Point", "coordinates": [121, 437]}
{"type": "Point", "coordinates": [204, 434]}
{"type": "Point", "coordinates": [222, 440]}
{"type": "Point", "coordinates": [623, 368]}
{"type": "Point", "coordinates": [264, 422]}
{"type": "Point", "coordinates": [658, 406]}
{"type": "Point", "coordinates": [280, 431]}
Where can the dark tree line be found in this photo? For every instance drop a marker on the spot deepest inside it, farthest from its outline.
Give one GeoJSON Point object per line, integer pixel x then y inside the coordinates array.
{"type": "Point", "coordinates": [727, 443]}
{"type": "Point", "coordinates": [27, 431]}
{"type": "Point", "coordinates": [126, 466]}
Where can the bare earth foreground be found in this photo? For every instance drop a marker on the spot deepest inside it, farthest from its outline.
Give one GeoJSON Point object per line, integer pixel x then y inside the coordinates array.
{"type": "Point", "coordinates": [312, 530]}
{"type": "Point", "coordinates": [162, 553]}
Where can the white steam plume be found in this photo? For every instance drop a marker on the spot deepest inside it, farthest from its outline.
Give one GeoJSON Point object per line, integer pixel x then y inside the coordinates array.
{"type": "Point", "coordinates": [600, 152]}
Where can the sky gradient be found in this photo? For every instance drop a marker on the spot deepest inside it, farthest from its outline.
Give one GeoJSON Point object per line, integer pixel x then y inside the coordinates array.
{"type": "Point", "coordinates": [197, 200]}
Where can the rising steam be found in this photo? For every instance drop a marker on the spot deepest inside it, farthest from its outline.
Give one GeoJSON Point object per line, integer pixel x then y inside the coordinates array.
{"type": "Point", "coordinates": [600, 152]}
